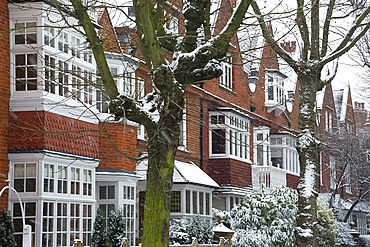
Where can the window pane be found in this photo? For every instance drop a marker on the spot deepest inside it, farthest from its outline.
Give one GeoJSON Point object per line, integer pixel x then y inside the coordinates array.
{"type": "Point", "coordinates": [31, 170]}
{"type": "Point", "coordinates": [111, 192]}
{"type": "Point", "coordinates": [176, 202]}
{"type": "Point", "coordinates": [188, 201]}
{"type": "Point", "coordinates": [18, 170]}
{"type": "Point", "coordinates": [218, 141]}
{"type": "Point", "coordinates": [103, 192]}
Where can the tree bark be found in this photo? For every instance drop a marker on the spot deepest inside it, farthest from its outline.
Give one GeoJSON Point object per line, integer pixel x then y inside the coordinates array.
{"type": "Point", "coordinates": [306, 231]}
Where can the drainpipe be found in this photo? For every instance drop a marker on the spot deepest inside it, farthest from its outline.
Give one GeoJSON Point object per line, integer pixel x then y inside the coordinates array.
{"type": "Point", "coordinates": [201, 129]}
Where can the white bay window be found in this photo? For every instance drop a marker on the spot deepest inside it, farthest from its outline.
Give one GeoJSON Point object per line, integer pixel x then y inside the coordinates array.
{"type": "Point", "coordinates": [229, 134]}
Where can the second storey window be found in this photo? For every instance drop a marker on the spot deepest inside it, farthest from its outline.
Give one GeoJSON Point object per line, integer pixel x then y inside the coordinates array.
{"type": "Point", "coordinates": [26, 72]}
{"type": "Point", "coordinates": [226, 77]}
{"type": "Point", "coordinates": [229, 135]}
{"type": "Point", "coordinates": [262, 146]}
{"type": "Point", "coordinates": [63, 42]}
{"type": "Point", "coordinates": [129, 84]}
{"type": "Point", "coordinates": [25, 33]}
{"type": "Point", "coordinates": [50, 74]}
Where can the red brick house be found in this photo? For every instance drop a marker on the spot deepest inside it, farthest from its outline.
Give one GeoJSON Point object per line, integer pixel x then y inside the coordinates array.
{"type": "Point", "coordinates": [66, 156]}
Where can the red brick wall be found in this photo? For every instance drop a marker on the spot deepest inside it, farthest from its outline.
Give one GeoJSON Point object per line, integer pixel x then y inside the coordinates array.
{"type": "Point", "coordinates": [116, 141]}
{"type": "Point", "coordinates": [292, 181]}
{"type": "Point", "coordinates": [4, 97]}
{"type": "Point", "coordinates": [45, 130]}
{"type": "Point", "coordinates": [107, 33]}
{"type": "Point", "coordinates": [230, 172]}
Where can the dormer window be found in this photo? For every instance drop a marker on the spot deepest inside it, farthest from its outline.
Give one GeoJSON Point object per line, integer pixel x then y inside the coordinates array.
{"type": "Point", "coordinates": [275, 99]}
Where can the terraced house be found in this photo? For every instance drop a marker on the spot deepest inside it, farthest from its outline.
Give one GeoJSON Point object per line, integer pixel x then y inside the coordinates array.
{"type": "Point", "coordinates": [66, 157]}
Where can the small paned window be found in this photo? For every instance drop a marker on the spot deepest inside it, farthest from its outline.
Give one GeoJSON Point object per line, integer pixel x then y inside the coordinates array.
{"type": "Point", "coordinates": [128, 193]}
{"type": "Point", "coordinates": [25, 33]}
{"type": "Point", "coordinates": [107, 192]}
{"type": "Point", "coordinates": [62, 179]}
{"type": "Point", "coordinates": [226, 77]}
{"type": "Point", "coordinates": [62, 226]}
{"type": "Point", "coordinates": [50, 74]}
{"type": "Point", "coordinates": [188, 201]}
{"type": "Point", "coordinates": [87, 223]}
{"type": "Point", "coordinates": [30, 217]}
{"type": "Point", "coordinates": [25, 177]}
{"type": "Point", "coordinates": [25, 72]}
{"type": "Point", "coordinates": [49, 36]}
{"type": "Point", "coordinates": [49, 177]}
{"type": "Point", "coordinates": [63, 79]}
{"type": "Point", "coordinates": [87, 182]}
{"type": "Point", "coordinates": [176, 202]}
{"type": "Point", "coordinates": [195, 202]}
{"type": "Point", "coordinates": [47, 224]}
{"type": "Point", "coordinates": [74, 221]}
{"type": "Point", "coordinates": [75, 180]}
{"type": "Point", "coordinates": [63, 42]}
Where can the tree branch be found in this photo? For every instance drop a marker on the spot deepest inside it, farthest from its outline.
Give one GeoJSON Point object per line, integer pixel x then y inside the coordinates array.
{"type": "Point", "coordinates": [146, 23]}
{"type": "Point", "coordinates": [97, 48]}
{"type": "Point", "coordinates": [303, 29]}
{"type": "Point", "coordinates": [270, 40]}
{"type": "Point", "coordinates": [315, 30]}
{"type": "Point", "coordinates": [325, 38]}
{"type": "Point", "coordinates": [345, 48]}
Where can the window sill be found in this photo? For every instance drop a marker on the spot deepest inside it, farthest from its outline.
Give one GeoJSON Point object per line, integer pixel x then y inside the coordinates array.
{"type": "Point", "coordinates": [213, 156]}
{"type": "Point", "coordinates": [227, 89]}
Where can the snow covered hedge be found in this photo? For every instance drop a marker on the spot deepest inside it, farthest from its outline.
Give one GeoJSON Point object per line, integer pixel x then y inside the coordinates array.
{"type": "Point", "coordinates": [269, 219]}
{"type": "Point", "coordinates": [265, 219]}
{"type": "Point", "coordinates": [364, 241]}
{"type": "Point", "coordinates": [182, 231]}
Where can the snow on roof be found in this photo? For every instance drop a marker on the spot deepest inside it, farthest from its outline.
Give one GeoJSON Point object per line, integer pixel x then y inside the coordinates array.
{"type": "Point", "coordinates": [221, 228]}
{"type": "Point", "coordinates": [346, 204]}
{"type": "Point", "coordinates": [191, 173]}
{"type": "Point", "coordinates": [184, 173]}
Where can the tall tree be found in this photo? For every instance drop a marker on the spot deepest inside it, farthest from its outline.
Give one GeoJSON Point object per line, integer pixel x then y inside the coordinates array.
{"type": "Point", "coordinates": [316, 51]}
{"type": "Point", "coordinates": [193, 60]}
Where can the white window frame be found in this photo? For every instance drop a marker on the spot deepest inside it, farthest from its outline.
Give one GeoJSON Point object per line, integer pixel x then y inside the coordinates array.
{"type": "Point", "coordinates": [226, 79]}
{"type": "Point", "coordinates": [29, 28]}
{"type": "Point", "coordinates": [274, 92]}
{"type": "Point", "coordinates": [237, 135]}
{"type": "Point", "coordinates": [263, 142]}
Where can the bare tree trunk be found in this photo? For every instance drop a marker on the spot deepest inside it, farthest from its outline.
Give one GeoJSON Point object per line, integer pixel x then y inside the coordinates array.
{"type": "Point", "coordinates": [306, 232]}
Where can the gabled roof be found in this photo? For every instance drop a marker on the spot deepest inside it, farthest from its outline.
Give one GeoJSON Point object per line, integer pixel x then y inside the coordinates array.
{"type": "Point", "coordinates": [340, 100]}
{"type": "Point", "coordinates": [320, 98]}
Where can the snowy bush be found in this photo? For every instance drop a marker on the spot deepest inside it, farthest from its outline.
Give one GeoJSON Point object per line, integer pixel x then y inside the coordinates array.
{"type": "Point", "coordinates": [116, 228]}
{"type": "Point", "coordinates": [223, 215]}
{"type": "Point", "coordinates": [265, 219]}
{"type": "Point", "coordinates": [364, 241]}
{"type": "Point", "coordinates": [183, 230]}
{"type": "Point", "coordinates": [6, 229]}
{"type": "Point", "coordinates": [110, 235]}
{"type": "Point", "coordinates": [344, 237]}
{"type": "Point", "coordinates": [327, 225]}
